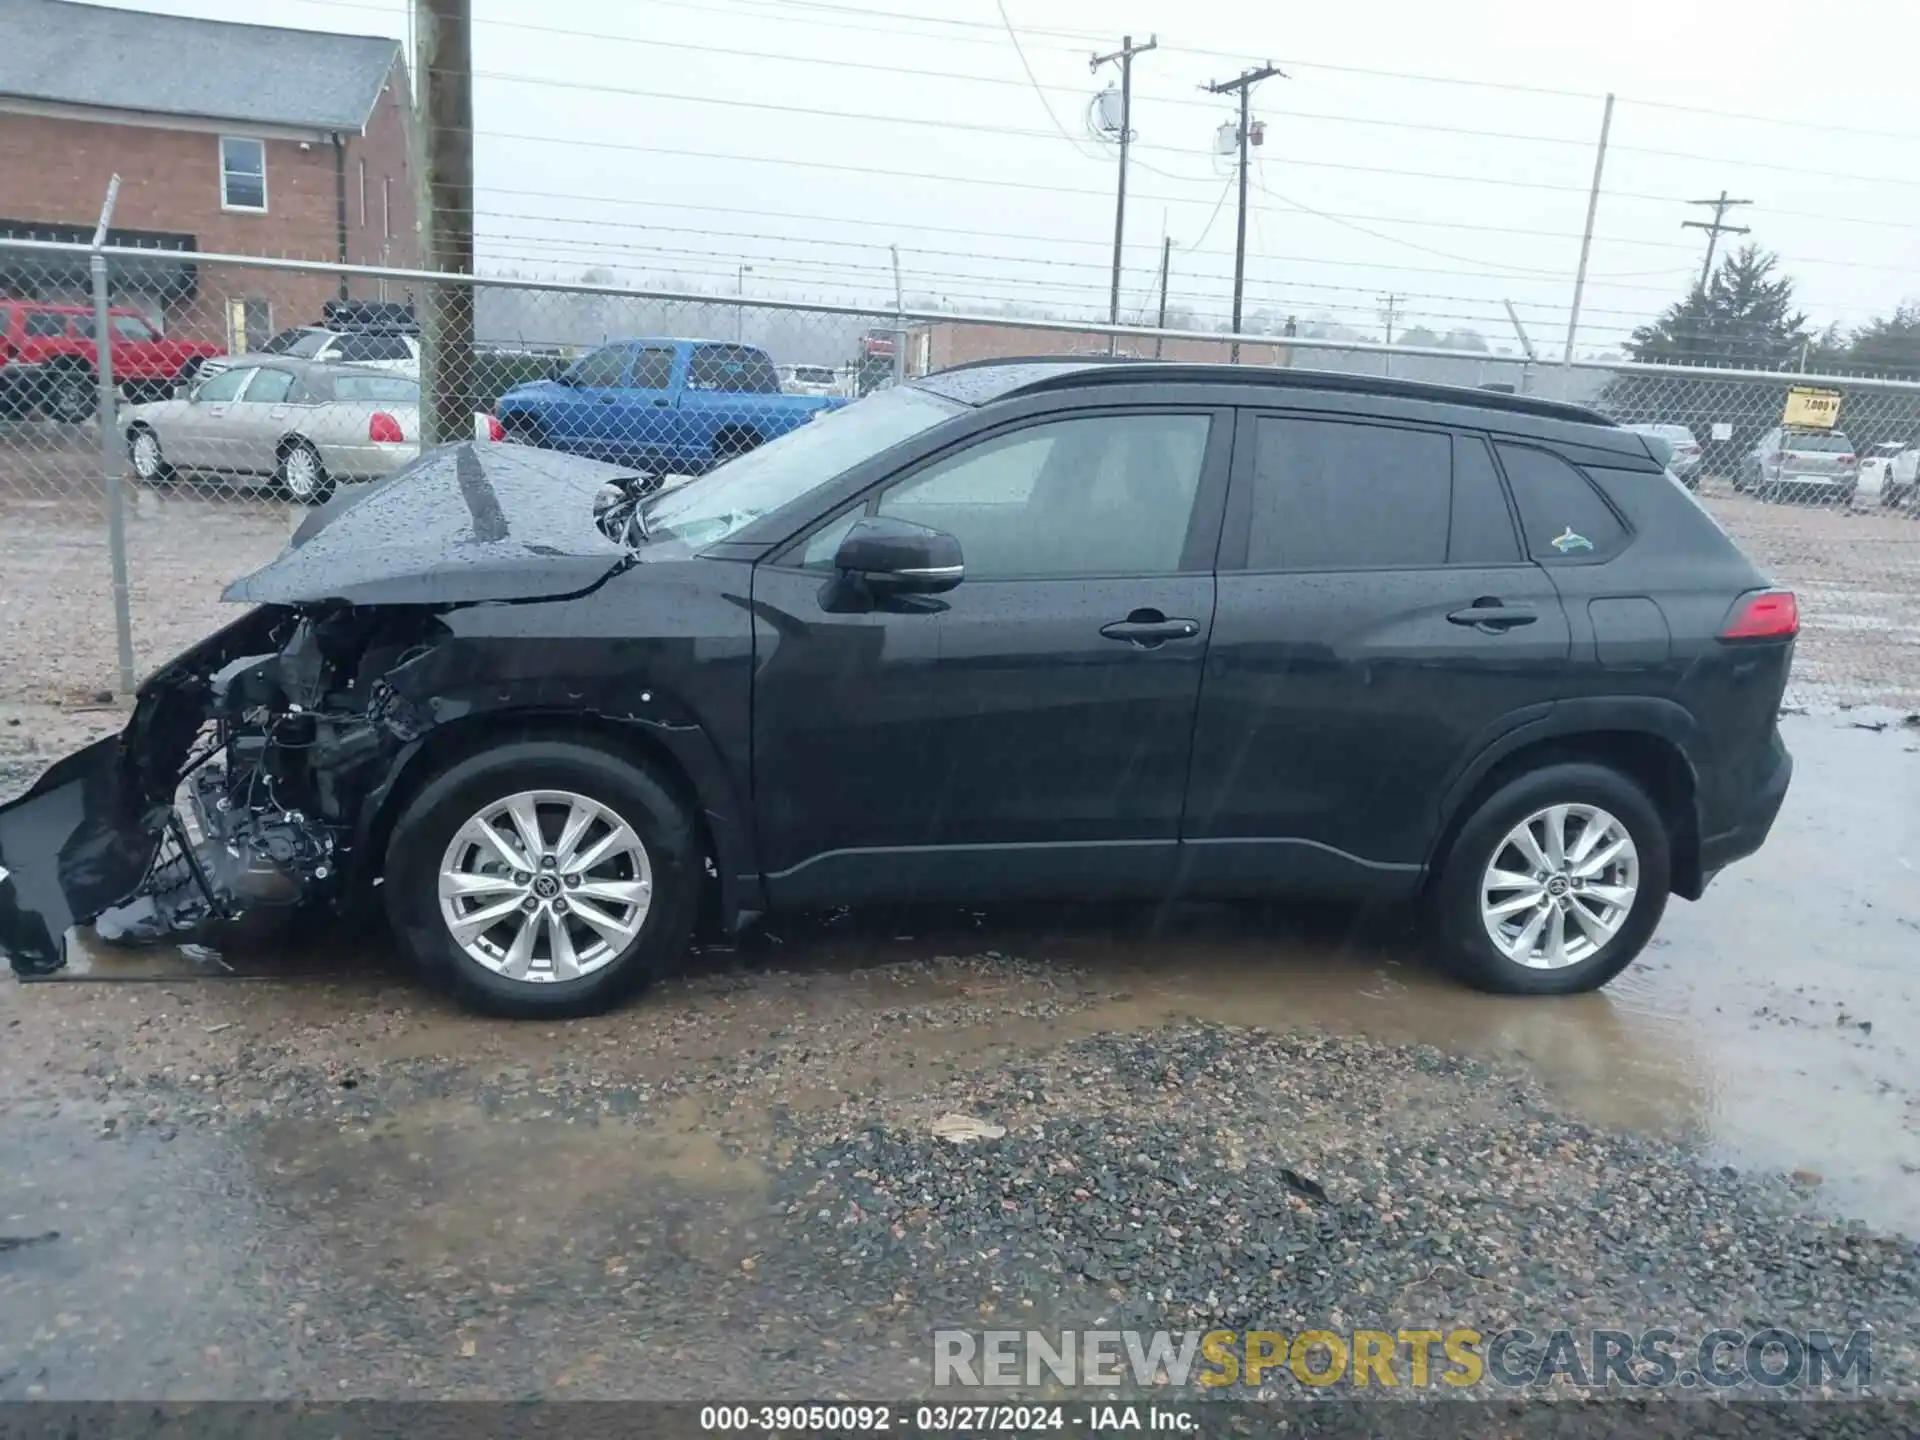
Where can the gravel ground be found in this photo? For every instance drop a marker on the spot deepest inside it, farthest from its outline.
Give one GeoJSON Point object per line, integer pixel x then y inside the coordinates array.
{"type": "Point", "coordinates": [736, 1189]}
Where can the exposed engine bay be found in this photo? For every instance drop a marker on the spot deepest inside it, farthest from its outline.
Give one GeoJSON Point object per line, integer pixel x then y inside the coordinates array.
{"type": "Point", "coordinates": [264, 805]}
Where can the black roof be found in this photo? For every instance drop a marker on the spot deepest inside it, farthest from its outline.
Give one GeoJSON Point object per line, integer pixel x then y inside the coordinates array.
{"type": "Point", "coordinates": [978, 382]}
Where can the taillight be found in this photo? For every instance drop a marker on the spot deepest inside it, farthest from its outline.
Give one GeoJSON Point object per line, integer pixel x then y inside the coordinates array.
{"type": "Point", "coordinates": [383, 429]}
{"type": "Point", "coordinates": [1764, 615]}
{"type": "Point", "coordinates": [496, 432]}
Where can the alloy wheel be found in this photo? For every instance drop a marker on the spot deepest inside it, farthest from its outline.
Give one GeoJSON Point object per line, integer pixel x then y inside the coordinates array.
{"type": "Point", "coordinates": [303, 473]}
{"type": "Point", "coordinates": [146, 455]}
{"type": "Point", "coordinates": [1559, 886]}
{"type": "Point", "coordinates": [545, 886]}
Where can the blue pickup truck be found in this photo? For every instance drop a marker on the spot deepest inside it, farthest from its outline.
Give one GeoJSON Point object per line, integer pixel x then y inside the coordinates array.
{"type": "Point", "coordinates": [678, 406]}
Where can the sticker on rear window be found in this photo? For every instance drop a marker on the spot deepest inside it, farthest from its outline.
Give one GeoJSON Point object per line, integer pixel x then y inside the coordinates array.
{"type": "Point", "coordinates": [1567, 542]}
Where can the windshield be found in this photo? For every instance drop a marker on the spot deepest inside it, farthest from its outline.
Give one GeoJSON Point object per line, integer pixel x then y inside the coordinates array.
{"type": "Point", "coordinates": [709, 509]}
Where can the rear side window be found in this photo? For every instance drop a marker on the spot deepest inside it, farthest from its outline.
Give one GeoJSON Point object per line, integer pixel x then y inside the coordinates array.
{"type": "Point", "coordinates": [737, 369]}
{"type": "Point", "coordinates": [1482, 528]}
{"type": "Point", "coordinates": [44, 325]}
{"type": "Point", "coordinates": [1561, 515]}
{"type": "Point", "coordinates": [1334, 495]}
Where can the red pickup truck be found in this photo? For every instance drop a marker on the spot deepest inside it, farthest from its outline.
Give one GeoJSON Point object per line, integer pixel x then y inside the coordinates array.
{"type": "Point", "coordinates": [47, 359]}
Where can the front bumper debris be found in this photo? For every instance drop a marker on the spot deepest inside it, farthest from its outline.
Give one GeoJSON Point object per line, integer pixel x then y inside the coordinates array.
{"type": "Point", "coordinates": [112, 825]}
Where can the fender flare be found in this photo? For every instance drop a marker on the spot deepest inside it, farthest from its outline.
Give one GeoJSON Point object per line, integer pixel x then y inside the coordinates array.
{"type": "Point", "coordinates": [1588, 715]}
{"type": "Point", "coordinates": [650, 714]}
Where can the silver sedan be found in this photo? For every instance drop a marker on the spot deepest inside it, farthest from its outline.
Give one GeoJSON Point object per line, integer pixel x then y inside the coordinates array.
{"type": "Point", "coordinates": [302, 425]}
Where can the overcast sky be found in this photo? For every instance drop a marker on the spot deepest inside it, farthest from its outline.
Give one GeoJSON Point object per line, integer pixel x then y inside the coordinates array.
{"type": "Point", "coordinates": [682, 138]}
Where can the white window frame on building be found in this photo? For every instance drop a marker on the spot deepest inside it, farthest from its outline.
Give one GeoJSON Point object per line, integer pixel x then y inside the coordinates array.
{"type": "Point", "coordinates": [260, 147]}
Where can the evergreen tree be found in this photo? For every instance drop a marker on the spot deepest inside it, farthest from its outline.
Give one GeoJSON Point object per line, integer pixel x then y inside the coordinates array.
{"type": "Point", "coordinates": [1744, 317]}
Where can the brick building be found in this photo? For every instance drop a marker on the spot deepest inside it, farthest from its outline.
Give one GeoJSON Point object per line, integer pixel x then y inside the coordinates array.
{"type": "Point", "coordinates": [240, 139]}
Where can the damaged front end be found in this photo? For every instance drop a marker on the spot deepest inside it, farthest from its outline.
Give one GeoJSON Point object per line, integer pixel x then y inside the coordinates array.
{"type": "Point", "coordinates": [232, 791]}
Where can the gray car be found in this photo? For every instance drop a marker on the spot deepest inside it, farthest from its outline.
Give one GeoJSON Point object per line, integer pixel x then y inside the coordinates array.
{"type": "Point", "coordinates": [300, 424]}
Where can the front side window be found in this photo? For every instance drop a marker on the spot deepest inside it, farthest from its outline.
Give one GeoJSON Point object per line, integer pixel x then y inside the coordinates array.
{"type": "Point", "coordinates": [604, 369]}
{"type": "Point", "coordinates": [1338, 495]}
{"type": "Point", "coordinates": [129, 327]}
{"type": "Point", "coordinates": [1103, 495]}
{"type": "Point", "coordinates": [653, 369]}
{"type": "Point", "coordinates": [47, 324]}
{"type": "Point", "coordinates": [243, 174]}
{"type": "Point", "coordinates": [226, 385]}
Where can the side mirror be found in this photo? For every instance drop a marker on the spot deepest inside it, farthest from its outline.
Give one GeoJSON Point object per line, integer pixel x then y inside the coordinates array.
{"type": "Point", "coordinates": [897, 557]}
{"type": "Point", "coordinates": [557, 369]}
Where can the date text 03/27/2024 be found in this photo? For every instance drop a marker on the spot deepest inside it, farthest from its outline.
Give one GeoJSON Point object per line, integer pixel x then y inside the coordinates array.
{"type": "Point", "coordinates": [943, 1419]}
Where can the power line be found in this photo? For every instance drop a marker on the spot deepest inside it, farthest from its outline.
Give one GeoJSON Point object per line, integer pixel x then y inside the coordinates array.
{"type": "Point", "coordinates": [1034, 80]}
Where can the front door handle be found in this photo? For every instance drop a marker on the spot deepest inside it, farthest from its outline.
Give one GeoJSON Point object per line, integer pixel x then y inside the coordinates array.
{"type": "Point", "coordinates": [1491, 615]}
{"type": "Point", "coordinates": [1149, 628]}
{"type": "Point", "coordinates": [608, 399]}
{"type": "Point", "coordinates": [660, 404]}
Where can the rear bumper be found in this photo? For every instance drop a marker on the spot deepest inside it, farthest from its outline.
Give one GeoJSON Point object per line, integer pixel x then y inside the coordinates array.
{"type": "Point", "coordinates": [1745, 832]}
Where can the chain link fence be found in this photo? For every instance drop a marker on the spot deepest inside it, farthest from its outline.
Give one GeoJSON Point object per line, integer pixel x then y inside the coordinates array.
{"type": "Point", "coordinates": [247, 390]}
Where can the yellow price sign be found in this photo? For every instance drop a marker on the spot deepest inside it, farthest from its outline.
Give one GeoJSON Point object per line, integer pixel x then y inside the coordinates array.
{"type": "Point", "coordinates": [1812, 409]}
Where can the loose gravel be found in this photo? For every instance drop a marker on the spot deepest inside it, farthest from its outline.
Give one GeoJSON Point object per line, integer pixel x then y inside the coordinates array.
{"type": "Point", "coordinates": [737, 1188]}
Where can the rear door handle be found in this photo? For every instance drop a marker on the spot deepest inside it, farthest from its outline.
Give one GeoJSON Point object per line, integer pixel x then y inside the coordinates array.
{"type": "Point", "coordinates": [1492, 615]}
{"type": "Point", "coordinates": [661, 403]}
{"type": "Point", "coordinates": [1148, 628]}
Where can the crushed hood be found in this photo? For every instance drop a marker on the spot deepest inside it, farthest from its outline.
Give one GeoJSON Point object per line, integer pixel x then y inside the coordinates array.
{"type": "Point", "coordinates": [462, 524]}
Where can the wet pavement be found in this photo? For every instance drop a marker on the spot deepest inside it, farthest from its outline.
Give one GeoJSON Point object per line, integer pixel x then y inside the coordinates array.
{"type": "Point", "coordinates": [293, 1171]}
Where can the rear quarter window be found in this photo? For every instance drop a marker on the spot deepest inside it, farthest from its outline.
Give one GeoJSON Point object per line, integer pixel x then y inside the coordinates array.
{"type": "Point", "coordinates": [1562, 516]}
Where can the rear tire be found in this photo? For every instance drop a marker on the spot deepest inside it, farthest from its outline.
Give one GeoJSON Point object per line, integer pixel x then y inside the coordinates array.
{"type": "Point", "coordinates": [434, 839]}
{"type": "Point", "coordinates": [70, 395]}
{"type": "Point", "coordinates": [1470, 887]}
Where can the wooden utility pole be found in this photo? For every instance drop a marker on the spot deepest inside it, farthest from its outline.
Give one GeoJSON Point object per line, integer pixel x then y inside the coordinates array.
{"type": "Point", "coordinates": [1715, 230]}
{"type": "Point", "coordinates": [1124, 56]}
{"type": "Point", "coordinates": [1243, 86]}
{"type": "Point", "coordinates": [1166, 262]}
{"type": "Point", "coordinates": [444, 54]}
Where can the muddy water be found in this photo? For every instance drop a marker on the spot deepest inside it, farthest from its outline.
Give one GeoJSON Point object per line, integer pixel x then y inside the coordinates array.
{"type": "Point", "coordinates": [485, 1210]}
{"type": "Point", "coordinates": [1778, 1017]}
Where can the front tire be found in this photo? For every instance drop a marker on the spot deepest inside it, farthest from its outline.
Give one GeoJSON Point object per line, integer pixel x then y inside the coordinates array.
{"type": "Point", "coordinates": [1554, 883]}
{"type": "Point", "coordinates": [608, 901]}
{"type": "Point", "coordinates": [302, 475]}
{"type": "Point", "coordinates": [149, 462]}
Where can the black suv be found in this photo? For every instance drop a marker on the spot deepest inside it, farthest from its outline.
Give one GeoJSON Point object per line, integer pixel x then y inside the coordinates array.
{"type": "Point", "coordinates": [1021, 629]}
